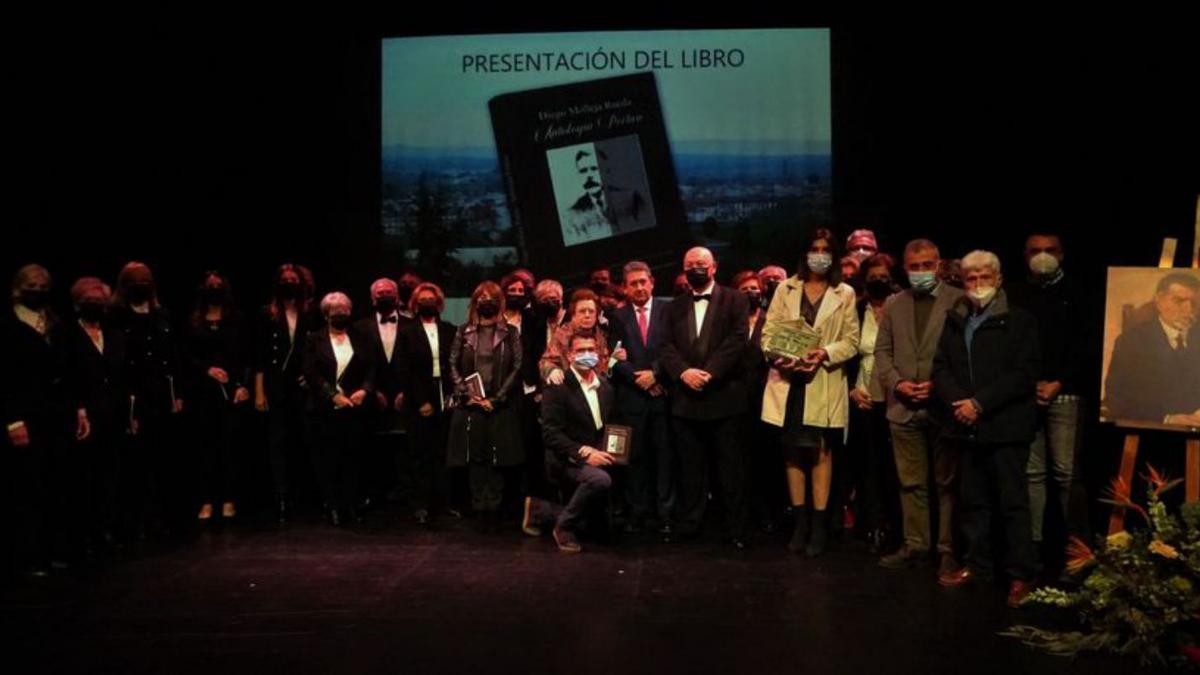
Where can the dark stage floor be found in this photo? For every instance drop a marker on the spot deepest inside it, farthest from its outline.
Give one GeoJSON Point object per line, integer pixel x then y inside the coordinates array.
{"type": "Point", "coordinates": [398, 599]}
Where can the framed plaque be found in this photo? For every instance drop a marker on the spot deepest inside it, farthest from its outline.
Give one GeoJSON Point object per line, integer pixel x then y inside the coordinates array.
{"type": "Point", "coordinates": [616, 442]}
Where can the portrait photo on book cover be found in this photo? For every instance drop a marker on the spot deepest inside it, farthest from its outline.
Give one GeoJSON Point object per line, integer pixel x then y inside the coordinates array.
{"type": "Point", "coordinates": [1152, 347]}
{"type": "Point", "coordinates": [600, 189]}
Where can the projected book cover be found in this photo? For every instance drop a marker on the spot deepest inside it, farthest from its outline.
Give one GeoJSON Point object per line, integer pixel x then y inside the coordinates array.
{"type": "Point", "coordinates": [585, 163]}
{"type": "Point", "coordinates": [743, 116]}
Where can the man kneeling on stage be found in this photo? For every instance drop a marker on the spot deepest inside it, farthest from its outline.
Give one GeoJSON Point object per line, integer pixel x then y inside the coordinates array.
{"type": "Point", "coordinates": [573, 418]}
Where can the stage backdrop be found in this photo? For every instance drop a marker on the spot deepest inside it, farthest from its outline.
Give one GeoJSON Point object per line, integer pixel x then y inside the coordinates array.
{"type": "Point", "coordinates": [490, 159]}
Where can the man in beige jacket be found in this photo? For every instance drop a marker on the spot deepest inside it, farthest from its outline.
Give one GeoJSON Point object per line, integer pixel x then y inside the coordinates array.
{"type": "Point", "coordinates": [904, 350]}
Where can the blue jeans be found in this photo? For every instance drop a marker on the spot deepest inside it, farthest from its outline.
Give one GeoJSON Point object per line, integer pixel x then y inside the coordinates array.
{"type": "Point", "coordinates": [1053, 455]}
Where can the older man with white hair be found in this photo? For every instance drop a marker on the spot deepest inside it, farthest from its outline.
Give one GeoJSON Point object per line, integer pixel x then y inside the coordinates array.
{"type": "Point", "coordinates": [985, 375]}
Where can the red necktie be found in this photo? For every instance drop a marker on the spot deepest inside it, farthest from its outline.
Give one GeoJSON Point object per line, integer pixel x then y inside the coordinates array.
{"type": "Point", "coordinates": [642, 323]}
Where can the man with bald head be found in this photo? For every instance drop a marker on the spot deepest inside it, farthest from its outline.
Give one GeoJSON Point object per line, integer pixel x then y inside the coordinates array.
{"type": "Point", "coordinates": [700, 355]}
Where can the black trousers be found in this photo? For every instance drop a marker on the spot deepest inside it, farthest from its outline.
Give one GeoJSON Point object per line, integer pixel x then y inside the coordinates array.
{"type": "Point", "coordinates": [994, 487]}
{"type": "Point", "coordinates": [287, 438]}
{"type": "Point", "coordinates": [721, 439]}
{"type": "Point", "coordinates": [215, 425]}
{"type": "Point", "coordinates": [337, 455]}
{"type": "Point", "coordinates": [27, 479]}
{"type": "Point", "coordinates": [154, 485]}
{"type": "Point", "coordinates": [653, 466]}
{"type": "Point", "coordinates": [872, 470]}
{"type": "Point", "coordinates": [424, 462]}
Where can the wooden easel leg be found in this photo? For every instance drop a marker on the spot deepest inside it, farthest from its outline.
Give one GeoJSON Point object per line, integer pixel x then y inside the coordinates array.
{"type": "Point", "coordinates": [1116, 522]}
{"type": "Point", "coordinates": [1193, 470]}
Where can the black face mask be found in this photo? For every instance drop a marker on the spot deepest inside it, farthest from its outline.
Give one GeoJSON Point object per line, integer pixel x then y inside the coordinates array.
{"type": "Point", "coordinates": [697, 278]}
{"type": "Point", "coordinates": [288, 291]}
{"type": "Point", "coordinates": [599, 286]}
{"type": "Point", "coordinates": [339, 321]}
{"type": "Point", "coordinates": [517, 302]}
{"type": "Point", "coordinates": [488, 309]}
{"type": "Point", "coordinates": [385, 306]}
{"type": "Point", "coordinates": [406, 293]}
{"type": "Point", "coordinates": [427, 310]}
{"type": "Point", "coordinates": [35, 299]}
{"type": "Point", "coordinates": [549, 310]}
{"type": "Point", "coordinates": [91, 311]}
{"type": "Point", "coordinates": [215, 296]}
{"type": "Point", "coordinates": [878, 289]}
{"type": "Point", "coordinates": [140, 293]}
{"type": "Point", "coordinates": [755, 299]}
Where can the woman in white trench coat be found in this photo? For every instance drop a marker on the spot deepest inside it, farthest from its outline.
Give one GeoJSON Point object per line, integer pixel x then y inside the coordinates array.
{"type": "Point", "coordinates": [814, 412]}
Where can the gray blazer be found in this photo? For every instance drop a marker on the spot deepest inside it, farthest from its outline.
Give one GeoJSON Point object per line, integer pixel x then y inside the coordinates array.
{"type": "Point", "coordinates": [898, 355]}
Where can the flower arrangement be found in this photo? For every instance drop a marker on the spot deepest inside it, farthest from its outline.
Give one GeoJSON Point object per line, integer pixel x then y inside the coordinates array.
{"type": "Point", "coordinates": [1140, 590]}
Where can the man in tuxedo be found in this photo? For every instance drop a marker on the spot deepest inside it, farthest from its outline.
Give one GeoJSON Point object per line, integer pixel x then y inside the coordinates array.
{"type": "Point", "coordinates": [1156, 364]}
{"type": "Point", "coordinates": [642, 400]}
{"type": "Point", "coordinates": [379, 330]}
{"type": "Point", "coordinates": [701, 356]}
{"type": "Point", "coordinates": [573, 418]}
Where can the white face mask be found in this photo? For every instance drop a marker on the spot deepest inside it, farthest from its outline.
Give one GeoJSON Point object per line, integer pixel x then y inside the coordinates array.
{"type": "Point", "coordinates": [819, 262]}
{"type": "Point", "coordinates": [982, 295]}
{"type": "Point", "coordinates": [1043, 264]}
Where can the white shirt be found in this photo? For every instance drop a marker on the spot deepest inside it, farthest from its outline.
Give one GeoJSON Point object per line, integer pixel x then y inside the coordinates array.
{"type": "Point", "coordinates": [591, 393]}
{"type": "Point", "coordinates": [431, 334]}
{"type": "Point", "coordinates": [700, 307]}
{"type": "Point", "coordinates": [97, 339]}
{"type": "Point", "coordinates": [1173, 334]}
{"type": "Point", "coordinates": [343, 352]}
{"type": "Point", "coordinates": [291, 322]}
{"type": "Point", "coordinates": [387, 335]}
{"type": "Point", "coordinates": [649, 312]}
{"type": "Point", "coordinates": [866, 347]}
{"type": "Point", "coordinates": [35, 320]}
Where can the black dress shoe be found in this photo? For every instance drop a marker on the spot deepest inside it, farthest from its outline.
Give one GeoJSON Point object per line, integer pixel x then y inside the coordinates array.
{"type": "Point", "coordinates": [422, 517]}
{"type": "Point", "coordinates": [739, 544]}
{"type": "Point", "coordinates": [334, 517]}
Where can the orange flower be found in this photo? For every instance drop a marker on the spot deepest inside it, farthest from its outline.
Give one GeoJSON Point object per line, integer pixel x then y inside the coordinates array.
{"type": "Point", "coordinates": [1161, 482]}
{"type": "Point", "coordinates": [1117, 494]}
{"type": "Point", "coordinates": [1165, 550]}
{"type": "Point", "coordinates": [1079, 556]}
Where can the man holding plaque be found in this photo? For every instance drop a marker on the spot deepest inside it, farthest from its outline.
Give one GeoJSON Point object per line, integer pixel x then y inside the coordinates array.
{"type": "Point", "coordinates": [574, 415]}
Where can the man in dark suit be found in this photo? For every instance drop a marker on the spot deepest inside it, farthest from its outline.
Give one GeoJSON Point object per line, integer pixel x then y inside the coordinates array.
{"type": "Point", "coordinates": [379, 330]}
{"type": "Point", "coordinates": [573, 418]}
{"type": "Point", "coordinates": [701, 356]}
{"type": "Point", "coordinates": [1156, 364]}
{"type": "Point", "coordinates": [642, 400]}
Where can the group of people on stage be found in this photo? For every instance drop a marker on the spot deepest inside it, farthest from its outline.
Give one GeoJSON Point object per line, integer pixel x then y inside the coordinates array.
{"type": "Point", "coordinates": [135, 417]}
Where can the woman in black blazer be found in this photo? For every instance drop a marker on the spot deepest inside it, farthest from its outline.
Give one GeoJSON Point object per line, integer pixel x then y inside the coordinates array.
{"type": "Point", "coordinates": [340, 374]}
{"type": "Point", "coordinates": [279, 390]}
{"type": "Point", "coordinates": [92, 361]}
{"type": "Point", "coordinates": [426, 385]}
{"type": "Point", "coordinates": [215, 349]}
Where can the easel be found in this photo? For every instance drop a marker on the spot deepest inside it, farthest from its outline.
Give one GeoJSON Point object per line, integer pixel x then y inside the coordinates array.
{"type": "Point", "coordinates": [1129, 454]}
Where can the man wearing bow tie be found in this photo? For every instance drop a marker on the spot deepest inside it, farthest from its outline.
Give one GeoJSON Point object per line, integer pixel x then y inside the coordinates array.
{"type": "Point", "coordinates": [379, 330]}
{"type": "Point", "coordinates": [700, 355]}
